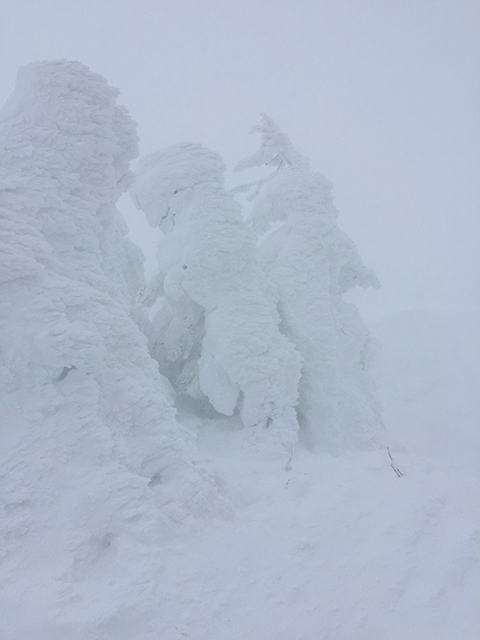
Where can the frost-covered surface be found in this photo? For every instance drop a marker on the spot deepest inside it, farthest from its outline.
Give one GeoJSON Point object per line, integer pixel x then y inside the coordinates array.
{"type": "Point", "coordinates": [92, 458]}
{"type": "Point", "coordinates": [311, 263]}
{"type": "Point", "coordinates": [216, 334]}
{"type": "Point", "coordinates": [335, 548]}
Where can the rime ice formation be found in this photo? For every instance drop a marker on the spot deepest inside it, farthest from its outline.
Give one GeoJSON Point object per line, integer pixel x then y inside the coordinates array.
{"type": "Point", "coordinates": [310, 262]}
{"type": "Point", "coordinates": [216, 333]}
{"type": "Point", "coordinates": [91, 455]}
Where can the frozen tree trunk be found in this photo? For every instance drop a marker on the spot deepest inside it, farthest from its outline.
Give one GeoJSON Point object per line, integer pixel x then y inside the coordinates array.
{"type": "Point", "coordinates": [89, 436]}
{"type": "Point", "coordinates": [310, 262]}
{"type": "Point", "coordinates": [216, 334]}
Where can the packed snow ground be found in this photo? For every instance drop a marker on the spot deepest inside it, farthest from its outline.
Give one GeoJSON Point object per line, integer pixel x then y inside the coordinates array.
{"type": "Point", "coordinates": [336, 548]}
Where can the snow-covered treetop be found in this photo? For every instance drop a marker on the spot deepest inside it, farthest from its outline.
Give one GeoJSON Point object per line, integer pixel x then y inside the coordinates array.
{"type": "Point", "coordinates": [293, 189]}
{"type": "Point", "coordinates": [301, 198]}
{"type": "Point", "coordinates": [66, 148]}
{"type": "Point", "coordinates": [276, 148]}
{"type": "Point", "coordinates": [71, 120]}
{"type": "Point", "coordinates": [175, 171]}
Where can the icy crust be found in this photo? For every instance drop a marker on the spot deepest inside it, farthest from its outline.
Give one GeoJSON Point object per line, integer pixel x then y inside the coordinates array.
{"type": "Point", "coordinates": [92, 457]}
{"type": "Point", "coordinates": [216, 333]}
{"type": "Point", "coordinates": [310, 263]}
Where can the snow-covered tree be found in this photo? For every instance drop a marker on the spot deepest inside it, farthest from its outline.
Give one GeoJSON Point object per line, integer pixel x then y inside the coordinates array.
{"type": "Point", "coordinates": [216, 333]}
{"type": "Point", "coordinates": [310, 263]}
{"type": "Point", "coordinates": [90, 446]}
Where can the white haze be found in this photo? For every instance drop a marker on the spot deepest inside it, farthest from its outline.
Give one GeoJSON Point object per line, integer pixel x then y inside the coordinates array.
{"type": "Point", "coordinates": [382, 97]}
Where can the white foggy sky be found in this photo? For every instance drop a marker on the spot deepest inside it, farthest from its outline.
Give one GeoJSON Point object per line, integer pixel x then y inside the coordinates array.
{"type": "Point", "coordinates": [382, 95]}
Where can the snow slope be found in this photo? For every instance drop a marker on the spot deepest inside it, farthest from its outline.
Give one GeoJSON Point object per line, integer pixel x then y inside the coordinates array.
{"type": "Point", "coordinates": [339, 548]}
{"type": "Point", "coordinates": [335, 549]}
{"type": "Point", "coordinates": [428, 369]}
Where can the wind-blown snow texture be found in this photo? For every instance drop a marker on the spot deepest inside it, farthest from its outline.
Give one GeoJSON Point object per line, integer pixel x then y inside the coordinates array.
{"type": "Point", "coordinates": [97, 540]}
{"type": "Point", "coordinates": [311, 263]}
{"type": "Point", "coordinates": [92, 458]}
{"type": "Point", "coordinates": [216, 335]}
